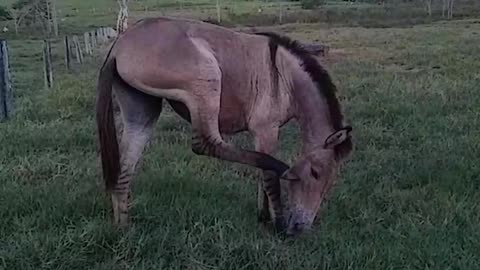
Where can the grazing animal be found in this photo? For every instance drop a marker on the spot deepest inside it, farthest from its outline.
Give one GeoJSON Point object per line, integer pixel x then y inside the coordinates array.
{"type": "Point", "coordinates": [223, 82]}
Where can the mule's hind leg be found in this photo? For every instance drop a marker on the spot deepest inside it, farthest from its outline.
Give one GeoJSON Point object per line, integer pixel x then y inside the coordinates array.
{"type": "Point", "coordinates": [139, 113]}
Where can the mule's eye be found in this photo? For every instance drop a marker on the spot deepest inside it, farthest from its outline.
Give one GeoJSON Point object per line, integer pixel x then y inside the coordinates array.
{"type": "Point", "coordinates": [314, 173]}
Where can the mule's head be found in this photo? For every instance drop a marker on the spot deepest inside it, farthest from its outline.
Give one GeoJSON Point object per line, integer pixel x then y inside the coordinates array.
{"type": "Point", "coordinates": [309, 181]}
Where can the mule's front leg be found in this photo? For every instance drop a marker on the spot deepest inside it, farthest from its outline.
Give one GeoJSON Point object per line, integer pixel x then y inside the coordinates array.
{"type": "Point", "coordinates": [206, 140]}
{"type": "Point", "coordinates": [268, 189]}
{"type": "Point", "coordinates": [203, 102]}
{"type": "Point", "coordinates": [120, 208]}
{"type": "Point", "coordinates": [262, 202]}
{"type": "Point", "coordinates": [270, 206]}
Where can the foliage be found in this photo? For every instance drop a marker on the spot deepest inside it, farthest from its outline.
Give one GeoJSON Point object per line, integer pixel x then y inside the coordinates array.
{"type": "Point", "coordinates": [35, 14]}
{"type": "Point", "coordinates": [4, 14]}
{"type": "Point", "coordinates": [31, 12]}
{"type": "Point", "coordinates": [310, 4]}
{"type": "Point", "coordinates": [19, 4]}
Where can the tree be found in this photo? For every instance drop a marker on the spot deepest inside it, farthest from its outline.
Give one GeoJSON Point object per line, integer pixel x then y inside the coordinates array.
{"type": "Point", "coordinates": [450, 9]}
{"type": "Point", "coordinates": [447, 7]}
{"type": "Point", "coordinates": [428, 5]}
{"type": "Point", "coordinates": [310, 4]}
{"type": "Point", "coordinates": [36, 12]}
{"type": "Point", "coordinates": [4, 14]}
{"type": "Point", "coordinates": [219, 12]}
{"type": "Point", "coordinates": [53, 16]}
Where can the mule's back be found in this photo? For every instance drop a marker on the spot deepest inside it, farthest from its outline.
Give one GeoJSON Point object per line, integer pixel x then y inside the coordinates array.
{"type": "Point", "coordinates": [169, 53]}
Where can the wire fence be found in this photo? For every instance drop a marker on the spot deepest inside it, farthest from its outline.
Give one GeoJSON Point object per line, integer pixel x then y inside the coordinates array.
{"type": "Point", "coordinates": [19, 70]}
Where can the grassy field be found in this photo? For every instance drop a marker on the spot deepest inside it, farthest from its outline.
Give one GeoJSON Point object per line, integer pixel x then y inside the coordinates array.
{"type": "Point", "coordinates": [408, 198]}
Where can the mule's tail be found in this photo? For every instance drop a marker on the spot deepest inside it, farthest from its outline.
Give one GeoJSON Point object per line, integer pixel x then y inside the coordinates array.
{"type": "Point", "coordinates": [107, 135]}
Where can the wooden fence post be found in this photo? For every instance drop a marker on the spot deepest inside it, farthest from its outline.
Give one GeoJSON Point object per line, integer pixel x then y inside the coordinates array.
{"type": "Point", "coordinates": [97, 37]}
{"type": "Point", "coordinates": [108, 34]}
{"type": "Point", "coordinates": [67, 52]}
{"type": "Point", "coordinates": [47, 60]}
{"type": "Point", "coordinates": [78, 49]}
{"type": "Point", "coordinates": [102, 34]}
{"type": "Point", "coordinates": [105, 34]}
{"type": "Point", "coordinates": [111, 32]}
{"type": "Point", "coordinates": [93, 39]}
{"type": "Point", "coordinates": [88, 46]}
{"type": "Point", "coordinates": [6, 92]}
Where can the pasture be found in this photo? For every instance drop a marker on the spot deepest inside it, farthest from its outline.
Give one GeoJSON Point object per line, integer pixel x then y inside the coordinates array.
{"type": "Point", "coordinates": [407, 199]}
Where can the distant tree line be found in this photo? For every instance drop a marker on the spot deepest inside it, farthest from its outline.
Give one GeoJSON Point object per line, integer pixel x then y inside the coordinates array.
{"type": "Point", "coordinates": [447, 5]}
{"type": "Point", "coordinates": [33, 13]}
{"type": "Point", "coordinates": [309, 4]}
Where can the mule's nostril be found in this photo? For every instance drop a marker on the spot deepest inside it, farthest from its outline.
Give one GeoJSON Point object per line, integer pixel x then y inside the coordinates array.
{"type": "Point", "coordinates": [295, 229]}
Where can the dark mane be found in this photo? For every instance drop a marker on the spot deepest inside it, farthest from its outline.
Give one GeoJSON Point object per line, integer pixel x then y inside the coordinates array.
{"type": "Point", "coordinates": [320, 77]}
{"type": "Point", "coordinates": [273, 46]}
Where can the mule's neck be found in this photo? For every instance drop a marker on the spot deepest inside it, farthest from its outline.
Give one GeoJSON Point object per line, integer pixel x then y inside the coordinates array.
{"type": "Point", "coordinates": [311, 112]}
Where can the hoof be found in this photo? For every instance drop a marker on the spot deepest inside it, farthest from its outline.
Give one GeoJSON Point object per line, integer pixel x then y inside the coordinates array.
{"type": "Point", "coordinates": [122, 226]}
{"type": "Point", "coordinates": [280, 225]}
{"type": "Point", "coordinates": [121, 221]}
{"type": "Point", "coordinates": [264, 216]}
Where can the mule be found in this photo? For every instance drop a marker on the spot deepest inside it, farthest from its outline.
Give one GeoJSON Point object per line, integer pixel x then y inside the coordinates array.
{"type": "Point", "coordinates": [223, 82]}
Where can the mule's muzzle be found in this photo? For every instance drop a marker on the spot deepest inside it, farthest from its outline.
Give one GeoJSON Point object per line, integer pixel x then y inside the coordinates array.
{"type": "Point", "coordinates": [299, 221]}
{"type": "Point", "coordinates": [295, 229]}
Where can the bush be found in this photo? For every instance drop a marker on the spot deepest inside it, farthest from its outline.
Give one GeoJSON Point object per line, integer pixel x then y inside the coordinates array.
{"type": "Point", "coordinates": [19, 4]}
{"type": "Point", "coordinates": [311, 4]}
{"type": "Point", "coordinates": [4, 14]}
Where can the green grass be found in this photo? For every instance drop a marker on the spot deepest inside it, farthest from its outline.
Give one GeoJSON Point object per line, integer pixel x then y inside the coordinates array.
{"type": "Point", "coordinates": [408, 199]}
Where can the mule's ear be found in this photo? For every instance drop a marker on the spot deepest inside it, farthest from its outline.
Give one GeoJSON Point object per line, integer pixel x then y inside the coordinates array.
{"type": "Point", "coordinates": [337, 137]}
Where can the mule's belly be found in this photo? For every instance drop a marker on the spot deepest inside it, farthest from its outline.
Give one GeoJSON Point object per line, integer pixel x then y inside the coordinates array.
{"type": "Point", "coordinates": [231, 117]}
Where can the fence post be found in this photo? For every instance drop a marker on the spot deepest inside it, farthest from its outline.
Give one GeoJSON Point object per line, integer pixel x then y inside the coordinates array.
{"type": "Point", "coordinates": [102, 34]}
{"type": "Point", "coordinates": [111, 33]}
{"type": "Point", "coordinates": [88, 46]}
{"type": "Point", "coordinates": [97, 37]}
{"type": "Point", "coordinates": [105, 34]}
{"type": "Point", "coordinates": [47, 60]}
{"type": "Point", "coordinates": [6, 92]}
{"type": "Point", "coordinates": [67, 52]}
{"type": "Point", "coordinates": [93, 39]}
{"type": "Point", "coordinates": [78, 49]}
